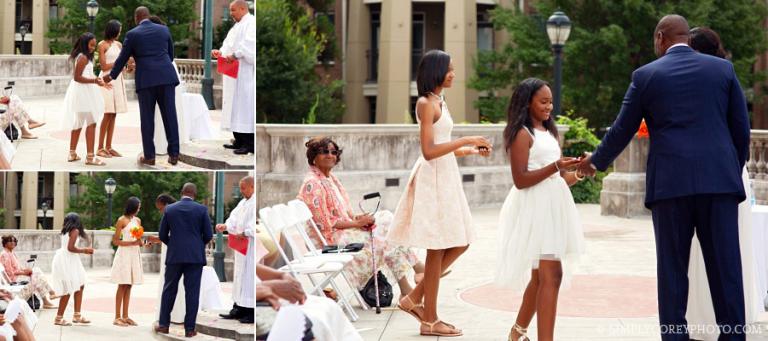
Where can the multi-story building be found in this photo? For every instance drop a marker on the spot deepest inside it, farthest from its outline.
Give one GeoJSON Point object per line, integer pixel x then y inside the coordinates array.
{"type": "Point", "coordinates": [29, 17]}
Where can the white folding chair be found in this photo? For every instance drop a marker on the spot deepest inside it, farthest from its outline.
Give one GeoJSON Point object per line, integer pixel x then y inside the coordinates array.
{"type": "Point", "coordinates": [304, 266]}
{"type": "Point", "coordinates": [5, 283]}
{"type": "Point", "coordinates": [302, 250]}
{"type": "Point", "coordinates": [302, 216]}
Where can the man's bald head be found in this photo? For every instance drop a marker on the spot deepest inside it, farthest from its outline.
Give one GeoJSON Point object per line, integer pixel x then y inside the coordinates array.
{"type": "Point", "coordinates": [238, 9]}
{"type": "Point", "coordinates": [189, 190]}
{"type": "Point", "coordinates": [671, 29]}
{"type": "Point", "coordinates": [140, 14]}
{"type": "Point", "coordinates": [246, 186]}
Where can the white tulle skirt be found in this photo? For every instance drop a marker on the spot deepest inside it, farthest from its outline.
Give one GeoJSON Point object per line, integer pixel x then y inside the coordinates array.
{"type": "Point", "coordinates": [68, 273]}
{"type": "Point", "coordinates": [83, 105]}
{"type": "Point", "coordinates": [535, 223]}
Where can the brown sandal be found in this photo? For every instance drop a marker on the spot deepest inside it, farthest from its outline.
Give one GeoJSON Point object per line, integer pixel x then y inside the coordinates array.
{"type": "Point", "coordinates": [91, 160]}
{"type": "Point", "coordinates": [73, 156]}
{"type": "Point", "coordinates": [60, 321]}
{"type": "Point", "coordinates": [103, 153]}
{"type": "Point", "coordinates": [409, 307]}
{"type": "Point", "coordinates": [120, 322]}
{"type": "Point", "coordinates": [113, 152]}
{"type": "Point", "coordinates": [129, 321]}
{"type": "Point", "coordinates": [77, 318]}
{"type": "Point", "coordinates": [432, 332]}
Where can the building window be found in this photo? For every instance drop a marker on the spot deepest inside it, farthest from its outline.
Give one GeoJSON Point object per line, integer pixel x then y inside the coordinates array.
{"type": "Point", "coordinates": [225, 16]}
{"type": "Point", "coordinates": [53, 10]}
{"type": "Point", "coordinates": [371, 110]}
{"type": "Point", "coordinates": [373, 52]}
{"type": "Point", "coordinates": [418, 41]}
{"type": "Point", "coordinates": [484, 31]}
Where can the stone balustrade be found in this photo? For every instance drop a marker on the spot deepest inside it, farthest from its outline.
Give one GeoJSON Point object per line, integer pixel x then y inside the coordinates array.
{"type": "Point", "coordinates": [44, 244]}
{"type": "Point", "coordinates": [623, 191]}
{"type": "Point", "coordinates": [376, 158]}
{"type": "Point", "coordinates": [757, 166]}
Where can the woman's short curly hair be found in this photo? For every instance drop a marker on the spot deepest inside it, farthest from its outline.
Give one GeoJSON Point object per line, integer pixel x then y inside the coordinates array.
{"type": "Point", "coordinates": [9, 238]}
{"type": "Point", "coordinates": [317, 144]}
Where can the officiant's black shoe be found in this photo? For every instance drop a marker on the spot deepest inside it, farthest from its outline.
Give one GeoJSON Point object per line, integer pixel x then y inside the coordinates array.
{"type": "Point", "coordinates": [173, 160]}
{"type": "Point", "coordinates": [246, 319]}
{"type": "Point", "coordinates": [231, 146]}
{"type": "Point", "coordinates": [190, 333]}
{"type": "Point", "coordinates": [234, 314]}
{"type": "Point", "coordinates": [242, 151]}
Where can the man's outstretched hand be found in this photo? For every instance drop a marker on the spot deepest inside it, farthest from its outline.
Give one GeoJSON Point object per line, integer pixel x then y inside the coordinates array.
{"type": "Point", "coordinates": [585, 166]}
{"type": "Point", "coordinates": [107, 78]}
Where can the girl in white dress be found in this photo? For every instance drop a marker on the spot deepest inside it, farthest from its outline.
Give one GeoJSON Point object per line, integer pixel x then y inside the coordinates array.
{"type": "Point", "coordinates": [68, 277]}
{"type": "Point", "coordinates": [126, 267]}
{"type": "Point", "coordinates": [115, 99]}
{"type": "Point", "coordinates": [538, 224]}
{"type": "Point", "coordinates": [83, 102]}
{"type": "Point", "coordinates": [433, 212]}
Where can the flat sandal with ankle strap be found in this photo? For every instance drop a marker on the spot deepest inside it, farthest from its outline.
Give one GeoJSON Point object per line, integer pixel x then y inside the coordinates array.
{"type": "Point", "coordinates": [409, 308]}
{"type": "Point", "coordinates": [60, 321]}
{"type": "Point", "coordinates": [432, 331]}
{"type": "Point", "coordinates": [520, 330]}
{"type": "Point", "coordinates": [77, 318]}
{"type": "Point", "coordinates": [72, 156]}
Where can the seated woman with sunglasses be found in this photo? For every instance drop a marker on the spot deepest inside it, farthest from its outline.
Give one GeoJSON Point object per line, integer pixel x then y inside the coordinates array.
{"type": "Point", "coordinates": [37, 282]}
{"type": "Point", "coordinates": [332, 213]}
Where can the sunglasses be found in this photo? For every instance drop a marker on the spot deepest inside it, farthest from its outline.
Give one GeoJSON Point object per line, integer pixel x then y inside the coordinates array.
{"type": "Point", "coordinates": [332, 152]}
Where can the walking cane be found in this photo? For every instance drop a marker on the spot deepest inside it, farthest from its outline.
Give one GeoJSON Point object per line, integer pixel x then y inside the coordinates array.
{"type": "Point", "coordinates": [369, 196]}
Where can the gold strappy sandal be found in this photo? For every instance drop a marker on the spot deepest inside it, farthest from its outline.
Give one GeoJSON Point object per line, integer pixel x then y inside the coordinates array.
{"type": "Point", "coordinates": [520, 330]}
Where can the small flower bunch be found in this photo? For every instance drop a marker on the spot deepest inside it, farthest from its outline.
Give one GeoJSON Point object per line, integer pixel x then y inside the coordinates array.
{"type": "Point", "coordinates": [642, 132]}
{"type": "Point", "coordinates": [137, 231]}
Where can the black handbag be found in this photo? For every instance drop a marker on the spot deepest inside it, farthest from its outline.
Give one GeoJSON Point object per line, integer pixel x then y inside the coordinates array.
{"type": "Point", "coordinates": [385, 292]}
{"type": "Point", "coordinates": [352, 247]}
{"type": "Point", "coordinates": [11, 132]}
{"type": "Point", "coordinates": [34, 303]}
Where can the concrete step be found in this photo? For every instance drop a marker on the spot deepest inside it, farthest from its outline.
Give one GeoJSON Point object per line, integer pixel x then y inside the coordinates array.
{"type": "Point", "coordinates": [211, 327]}
{"type": "Point", "coordinates": [208, 154]}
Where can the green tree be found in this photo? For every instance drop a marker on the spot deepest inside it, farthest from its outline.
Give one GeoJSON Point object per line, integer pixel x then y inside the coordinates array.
{"type": "Point", "coordinates": [608, 41]}
{"type": "Point", "coordinates": [288, 44]}
{"type": "Point", "coordinates": [92, 203]}
{"type": "Point", "coordinates": [177, 14]}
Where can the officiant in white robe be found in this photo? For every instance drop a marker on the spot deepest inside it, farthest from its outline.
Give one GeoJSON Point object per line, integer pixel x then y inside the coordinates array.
{"type": "Point", "coordinates": [242, 121]}
{"type": "Point", "coordinates": [242, 222]}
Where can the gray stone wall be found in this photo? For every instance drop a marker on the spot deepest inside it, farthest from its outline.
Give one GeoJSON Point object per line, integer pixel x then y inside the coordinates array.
{"type": "Point", "coordinates": [376, 158]}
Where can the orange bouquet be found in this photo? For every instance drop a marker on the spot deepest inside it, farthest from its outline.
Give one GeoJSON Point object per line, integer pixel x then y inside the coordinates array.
{"type": "Point", "coordinates": [137, 231]}
{"type": "Point", "coordinates": [642, 132]}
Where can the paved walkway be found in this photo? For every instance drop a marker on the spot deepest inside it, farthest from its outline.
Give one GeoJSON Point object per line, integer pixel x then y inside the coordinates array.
{"type": "Point", "coordinates": [612, 294]}
{"type": "Point", "coordinates": [99, 307]}
{"type": "Point", "coordinates": [50, 150]}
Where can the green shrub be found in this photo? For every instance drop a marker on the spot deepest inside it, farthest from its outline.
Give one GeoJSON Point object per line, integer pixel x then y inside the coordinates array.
{"type": "Point", "coordinates": [579, 139]}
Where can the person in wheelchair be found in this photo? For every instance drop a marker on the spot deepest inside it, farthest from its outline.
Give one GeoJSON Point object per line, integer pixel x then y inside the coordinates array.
{"type": "Point", "coordinates": [332, 212]}
{"type": "Point", "coordinates": [35, 282]}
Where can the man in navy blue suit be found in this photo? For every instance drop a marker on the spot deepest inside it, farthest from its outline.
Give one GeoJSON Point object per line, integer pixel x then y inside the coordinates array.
{"type": "Point", "coordinates": [185, 229]}
{"type": "Point", "coordinates": [151, 46]}
{"type": "Point", "coordinates": [699, 141]}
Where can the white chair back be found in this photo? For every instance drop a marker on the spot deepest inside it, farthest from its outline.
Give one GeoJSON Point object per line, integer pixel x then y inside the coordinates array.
{"type": "Point", "coordinates": [273, 225]}
{"type": "Point", "coordinates": [304, 214]}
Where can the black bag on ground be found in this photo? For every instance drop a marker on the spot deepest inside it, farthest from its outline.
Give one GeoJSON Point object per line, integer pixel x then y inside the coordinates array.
{"type": "Point", "coordinates": [11, 132]}
{"type": "Point", "coordinates": [34, 302]}
{"type": "Point", "coordinates": [385, 292]}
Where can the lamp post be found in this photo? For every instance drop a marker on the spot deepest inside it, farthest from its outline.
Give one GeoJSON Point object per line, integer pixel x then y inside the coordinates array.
{"type": "Point", "coordinates": [23, 30]}
{"type": "Point", "coordinates": [207, 82]}
{"type": "Point", "coordinates": [44, 206]}
{"type": "Point", "coordinates": [109, 186]}
{"type": "Point", "coordinates": [218, 254]}
{"type": "Point", "coordinates": [92, 8]}
{"type": "Point", "coordinates": [558, 29]}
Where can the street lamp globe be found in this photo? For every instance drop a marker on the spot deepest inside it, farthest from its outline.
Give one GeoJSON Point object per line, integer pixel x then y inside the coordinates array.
{"type": "Point", "coordinates": [558, 28]}
{"type": "Point", "coordinates": [92, 8]}
{"type": "Point", "coordinates": [23, 30]}
{"type": "Point", "coordinates": [110, 185]}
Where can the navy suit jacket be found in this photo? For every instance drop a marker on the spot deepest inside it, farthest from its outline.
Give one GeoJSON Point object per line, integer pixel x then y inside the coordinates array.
{"type": "Point", "coordinates": [697, 119]}
{"type": "Point", "coordinates": [190, 229]}
{"type": "Point", "coordinates": [151, 46]}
